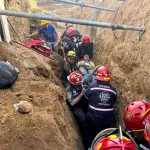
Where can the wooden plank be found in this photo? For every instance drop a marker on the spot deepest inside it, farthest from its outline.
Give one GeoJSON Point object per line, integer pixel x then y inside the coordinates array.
{"type": "Point", "coordinates": [4, 23]}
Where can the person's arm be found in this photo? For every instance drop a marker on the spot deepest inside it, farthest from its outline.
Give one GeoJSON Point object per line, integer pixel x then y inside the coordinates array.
{"type": "Point", "coordinates": [87, 91]}
{"type": "Point", "coordinates": [63, 35]}
{"type": "Point", "coordinates": [33, 34]}
{"type": "Point", "coordinates": [77, 99]}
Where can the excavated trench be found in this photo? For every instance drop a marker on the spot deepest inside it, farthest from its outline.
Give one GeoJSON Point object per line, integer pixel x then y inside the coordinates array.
{"type": "Point", "coordinates": [51, 125]}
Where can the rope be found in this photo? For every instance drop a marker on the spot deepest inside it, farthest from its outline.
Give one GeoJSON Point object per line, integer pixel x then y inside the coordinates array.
{"type": "Point", "coordinates": [14, 31]}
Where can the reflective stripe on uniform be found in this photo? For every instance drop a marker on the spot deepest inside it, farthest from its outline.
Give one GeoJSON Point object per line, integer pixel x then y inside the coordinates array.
{"type": "Point", "coordinates": [99, 109]}
{"type": "Point", "coordinates": [103, 89]}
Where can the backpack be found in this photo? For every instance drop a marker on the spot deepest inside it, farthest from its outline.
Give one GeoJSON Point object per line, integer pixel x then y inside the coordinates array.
{"type": "Point", "coordinates": [8, 75]}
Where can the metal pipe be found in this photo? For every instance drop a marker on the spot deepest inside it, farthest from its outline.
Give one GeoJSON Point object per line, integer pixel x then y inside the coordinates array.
{"type": "Point", "coordinates": [85, 5]}
{"type": "Point", "coordinates": [71, 20]}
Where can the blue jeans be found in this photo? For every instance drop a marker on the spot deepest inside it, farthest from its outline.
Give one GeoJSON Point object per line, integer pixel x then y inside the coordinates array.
{"type": "Point", "coordinates": [52, 46]}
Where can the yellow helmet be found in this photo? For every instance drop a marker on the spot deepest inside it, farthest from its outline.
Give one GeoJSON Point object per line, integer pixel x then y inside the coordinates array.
{"type": "Point", "coordinates": [43, 22]}
{"type": "Point", "coordinates": [71, 54]}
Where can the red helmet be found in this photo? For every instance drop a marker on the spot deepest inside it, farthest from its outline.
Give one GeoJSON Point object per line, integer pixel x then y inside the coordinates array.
{"type": "Point", "coordinates": [103, 74]}
{"type": "Point", "coordinates": [71, 31]}
{"type": "Point", "coordinates": [135, 115]}
{"type": "Point", "coordinates": [86, 39]}
{"type": "Point", "coordinates": [75, 78]}
{"type": "Point", "coordinates": [113, 142]}
{"type": "Point", "coordinates": [147, 129]}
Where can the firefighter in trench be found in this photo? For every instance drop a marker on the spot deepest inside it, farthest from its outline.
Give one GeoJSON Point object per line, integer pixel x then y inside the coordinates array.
{"type": "Point", "coordinates": [77, 37]}
{"type": "Point", "coordinates": [113, 139]}
{"type": "Point", "coordinates": [85, 48]}
{"type": "Point", "coordinates": [76, 100]}
{"type": "Point", "coordinates": [101, 98]}
{"type": "Point", "coordinates": [68, 67]}
{"type": "Point", "coordinates": [67, 41]}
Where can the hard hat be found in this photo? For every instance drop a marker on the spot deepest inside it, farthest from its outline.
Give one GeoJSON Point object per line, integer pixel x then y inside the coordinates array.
{"type": "Point", "coordinates": [113, 139]}
{"type": "Point", "coordinates": [135, 114]}
{"type": "Point", "coordinates": [75, 78]}
{"type": "Point", "coordinates": [71, 54]}
{"type": "Point", "coordinates": [86, 39]}
{"type": "Point", "coordinates": [43, 22]}
{"type": "Point", "coordinates": [113, 142]}
{"type": "Point", "coordinates": [71, 31]}
{"type": "Point", "coordinates": [103, 74]}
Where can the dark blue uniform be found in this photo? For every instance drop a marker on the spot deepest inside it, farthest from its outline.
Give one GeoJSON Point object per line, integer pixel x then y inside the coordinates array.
{"type": "Point", "coordinates": [79, 109]}
{"type": "Point", "coordinates": [85, 50]}
{"type": "Point", "coordinates": [102, 97]}
{"type": "Point", "coordinates": [68, 45]}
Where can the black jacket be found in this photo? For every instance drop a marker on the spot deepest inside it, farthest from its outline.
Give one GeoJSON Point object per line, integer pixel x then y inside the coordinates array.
{"type": "Point", "coordinates": [83, 49]}
{"type": "Point", "coordinates": [102, 97]}
{"type": "Point", "coordinates": [67, 69]}
{"type": "Point", "coordinates": [68, 45]}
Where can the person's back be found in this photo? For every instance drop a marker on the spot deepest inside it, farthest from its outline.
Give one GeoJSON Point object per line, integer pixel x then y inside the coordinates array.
{"type": "Point", "coordinates": [102, 97]}
{"type": "Point", "coordinates": [68, 45]}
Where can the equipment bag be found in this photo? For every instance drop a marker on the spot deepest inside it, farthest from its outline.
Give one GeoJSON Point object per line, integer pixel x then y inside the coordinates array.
{"type": "Point", "coordinates": [8, 75]}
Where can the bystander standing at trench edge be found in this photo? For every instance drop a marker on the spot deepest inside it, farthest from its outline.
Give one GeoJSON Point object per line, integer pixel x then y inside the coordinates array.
{"type": "Point", "coordinates": [50, 34]}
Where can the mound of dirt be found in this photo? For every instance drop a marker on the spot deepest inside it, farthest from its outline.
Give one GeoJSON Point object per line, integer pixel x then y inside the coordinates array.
{"type": "Point", "coordinates": [49, 126]}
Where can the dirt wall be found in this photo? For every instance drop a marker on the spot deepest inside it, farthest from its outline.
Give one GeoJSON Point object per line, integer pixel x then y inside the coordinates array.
{"type": "Point", "coordinates": [50, 125]}
{"type": "Point", "coordinates": [127, 57]}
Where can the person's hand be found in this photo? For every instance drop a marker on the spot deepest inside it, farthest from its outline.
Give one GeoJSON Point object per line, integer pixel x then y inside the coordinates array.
{"type": "Point", "coordinates": [75, 100]}
{"type": "Point", "coordinates": [28, 36]}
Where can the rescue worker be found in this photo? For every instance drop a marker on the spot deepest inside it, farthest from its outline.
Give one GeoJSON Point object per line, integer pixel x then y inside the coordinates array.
{"type": "Point", "coordinates": [77, 33]}
{"type": "Point", "coordinates": [50, 34]}
{"type": "Point", "coordinates": [75, 98]}
{"type": "Point", "coordinates": [69, 67]}
{"type": "Point", "coordinates": [134, 118]}
{"type": "Point", "coordinates": [64, 33]}
{"type": "Point", "coordinates": [67, 41]}
{"type": "Point", "coordinates": [102, 97]}
{"type": "Point", "coordinates": [113, 140]}
{"type": "Point", "coordinates": [85, 48]}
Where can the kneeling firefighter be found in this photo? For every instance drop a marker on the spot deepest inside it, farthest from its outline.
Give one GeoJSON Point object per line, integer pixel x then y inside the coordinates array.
{"type": "Point", "coordinates": [75, 99]}
{"type": "Point", "coordinates": [102, 97]}
{"type": "Point", "coordinates": [113, 139]}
